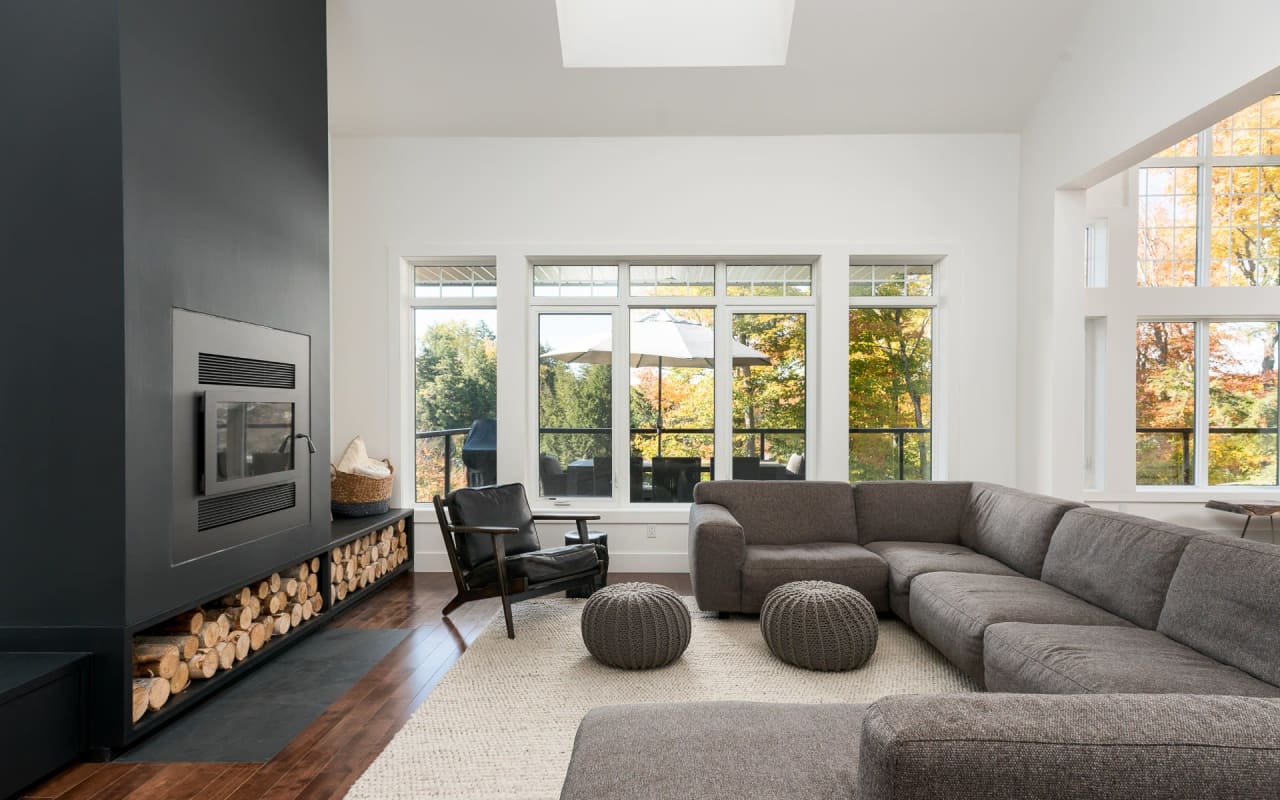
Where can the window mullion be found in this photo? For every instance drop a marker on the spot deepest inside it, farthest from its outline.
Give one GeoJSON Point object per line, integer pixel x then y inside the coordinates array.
{"type": "Point", "coordinates": [1204, 205]}
{"type": "Point", "coordinates": [1201, 451]}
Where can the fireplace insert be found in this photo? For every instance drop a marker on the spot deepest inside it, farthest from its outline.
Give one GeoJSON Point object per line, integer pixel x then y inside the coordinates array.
{"type": "Point", "coordinates": [241, 401]}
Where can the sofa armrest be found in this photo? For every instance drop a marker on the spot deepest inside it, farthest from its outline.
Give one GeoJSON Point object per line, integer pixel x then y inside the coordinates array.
{"type": "Point", "coordinates": [717, 550]}
{"type": "Point", "coordinates": [1070, 747]}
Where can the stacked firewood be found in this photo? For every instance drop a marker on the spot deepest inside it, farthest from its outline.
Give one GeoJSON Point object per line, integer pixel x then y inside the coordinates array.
{"type": "Point", "coordinates": [200, 643]}
{"type": "Point", "coordinates": [359, 563]}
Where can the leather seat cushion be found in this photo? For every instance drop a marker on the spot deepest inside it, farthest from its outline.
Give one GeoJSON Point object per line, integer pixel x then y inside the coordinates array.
{"type": "Point", "coordinates": [540, 565]}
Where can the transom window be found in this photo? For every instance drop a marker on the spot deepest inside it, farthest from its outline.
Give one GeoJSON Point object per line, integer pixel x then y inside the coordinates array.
{"type": "Point", "coordinates": [1209, 206]}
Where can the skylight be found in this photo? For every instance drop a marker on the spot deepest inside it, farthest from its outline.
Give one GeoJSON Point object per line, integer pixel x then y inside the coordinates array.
{"type": "Point", "coordinates": [674, 33]}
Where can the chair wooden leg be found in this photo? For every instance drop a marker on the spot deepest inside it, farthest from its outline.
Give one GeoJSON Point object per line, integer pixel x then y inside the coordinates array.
{"type": "Point", "coordinates": [453, 605]}
{"type": "Point", "coordinates": [499, 553]}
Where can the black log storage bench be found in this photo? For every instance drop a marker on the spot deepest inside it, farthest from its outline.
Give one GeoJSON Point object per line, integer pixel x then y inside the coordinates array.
{"type": "Point", "coordinates": [360, 533]}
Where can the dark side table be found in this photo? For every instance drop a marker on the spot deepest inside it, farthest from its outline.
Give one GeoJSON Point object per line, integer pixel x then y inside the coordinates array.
{"type": "Point", "coordinates": [1250, 511]}
{"type": "Point", "coordinates": [601, 540]}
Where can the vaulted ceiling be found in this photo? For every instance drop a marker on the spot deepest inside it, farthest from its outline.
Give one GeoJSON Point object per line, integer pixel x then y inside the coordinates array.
{"type": "Point", "coordinates": [493, 68]}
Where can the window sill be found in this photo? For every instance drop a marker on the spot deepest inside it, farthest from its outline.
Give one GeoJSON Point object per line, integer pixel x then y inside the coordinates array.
{"type": "Point", "coordinates": [1184, 494]}
{"type": "Point", "coordinates": [667, 514]}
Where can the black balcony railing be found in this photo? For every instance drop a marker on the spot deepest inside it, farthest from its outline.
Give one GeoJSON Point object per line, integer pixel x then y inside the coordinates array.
{"type": "Point", "coordinates": [1185, 438]}
{"type": "Point", "coordinates": [899, 435]}
{"type": "Point", "coordinates": [449, 459]}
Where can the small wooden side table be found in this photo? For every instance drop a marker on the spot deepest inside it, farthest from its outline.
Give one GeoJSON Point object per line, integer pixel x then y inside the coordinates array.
{"type": "Point", "coordinates": [1250, 511]}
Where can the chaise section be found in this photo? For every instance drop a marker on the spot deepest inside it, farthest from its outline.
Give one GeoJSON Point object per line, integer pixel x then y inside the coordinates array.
{"type": "Point", "coordinates": [952, 611]}
{"type": "Point", "coordinates": [1116, 561]}
{"type": "Point", "coordinates": [1224, 600]}
{"type": "Point", "coordinates": [1076, 659]}
{"type": "Point", "coordinates": [910, 511]}
{"type": "Point", "coordinates": [1113, 747]}
{"type": "Point", "coordinates": [769, 566]}
{"type": "Point", "coordinates": [747, 751]}
{"type": "Point", "coordinates": [1012, 526]}
{"type": "Point", "coordinates": [907, 560]}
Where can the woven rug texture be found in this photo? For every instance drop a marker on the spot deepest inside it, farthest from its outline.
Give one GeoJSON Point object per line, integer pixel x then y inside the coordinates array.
{"type": "Point", "coordinates": [500, 724]}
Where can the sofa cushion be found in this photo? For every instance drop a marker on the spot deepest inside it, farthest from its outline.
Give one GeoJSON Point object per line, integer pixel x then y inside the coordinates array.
{"type": "Point", "coordinates": [1038, 747]}
{"type": "Point", "coordinates": [768, 566]}
{"type": "Point", "coordinates": [906, 560]}
{"type": "Point", "coordinates": [540, 565]}
{"type": "Point", "coordinates": [700, 751]}
{"type": "Point", "coordinates": [1079, 659]}
{"type": "Point", "coordinates": [1011, 526]}
{"type": "Point", "coordinates": [952, 611]}
{"type": "Point", "coordinates": [785, 512]}
{"type": "Point", "coordinates": [1224, 600]}
{"type": "Point", "coordinates": [910, 511]}
{"type": "Point", "coordinates": [1117, 561]}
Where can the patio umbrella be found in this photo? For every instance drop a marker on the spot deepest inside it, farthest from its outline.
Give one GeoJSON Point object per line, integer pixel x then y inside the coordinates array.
{"type": "Point", "coordinates": [660, 340]}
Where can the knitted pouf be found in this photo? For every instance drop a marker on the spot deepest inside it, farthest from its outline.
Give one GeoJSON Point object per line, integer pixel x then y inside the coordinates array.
{"type": "Point", "coordinates": [635, 625]}
{"type": "Point", "coordinates": [819, 625]}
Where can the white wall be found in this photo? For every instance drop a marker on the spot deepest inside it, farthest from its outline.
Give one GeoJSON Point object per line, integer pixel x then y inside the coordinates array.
{"type": "Point", "coordinates": [1140, 75]}
{"type": "Point", "coordinates": [832, 196]}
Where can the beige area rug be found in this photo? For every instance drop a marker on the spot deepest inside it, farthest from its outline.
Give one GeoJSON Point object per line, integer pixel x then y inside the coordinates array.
{"type": "Point", "coordinates": [500, 724]}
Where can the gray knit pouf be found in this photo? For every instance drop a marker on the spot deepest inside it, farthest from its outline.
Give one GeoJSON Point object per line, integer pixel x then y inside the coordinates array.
{"type": "Point", "coordinates": [819, 625]}
{"type": "Point", "coordinates": [635, 625]}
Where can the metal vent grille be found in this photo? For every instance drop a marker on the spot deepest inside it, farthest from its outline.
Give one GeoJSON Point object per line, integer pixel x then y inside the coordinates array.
{"type": "Point", "coordinates": [215, 512]}
{"type": "Point", "coordinates": [235, 371]}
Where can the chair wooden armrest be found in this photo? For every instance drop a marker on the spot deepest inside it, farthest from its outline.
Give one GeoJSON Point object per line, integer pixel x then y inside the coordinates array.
{"type": "Point", "coordinates": [579, 519]}
{"type": "Point", "coordinates": [496, 531]}
{"type": "Point", "coordinates": [564, 517]}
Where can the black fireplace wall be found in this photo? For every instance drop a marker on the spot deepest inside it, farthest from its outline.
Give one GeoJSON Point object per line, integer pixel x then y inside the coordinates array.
{"type": "Point", "coordinates": [157, 154]}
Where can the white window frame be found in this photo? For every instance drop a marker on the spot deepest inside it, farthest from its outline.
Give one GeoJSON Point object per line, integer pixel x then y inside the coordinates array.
{"type": "Point", "coordinates": [620, 307]}
{"type": "Point", "coordinates": [411, 306]}
{"type": "Point", "coordinates": [930, 301]}
{"type": "Point", "coordinates": [1118, 305]}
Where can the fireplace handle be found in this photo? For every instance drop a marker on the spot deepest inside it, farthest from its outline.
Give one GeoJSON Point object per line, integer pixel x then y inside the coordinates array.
{"type": "Point", "coordinates": [311, 447]}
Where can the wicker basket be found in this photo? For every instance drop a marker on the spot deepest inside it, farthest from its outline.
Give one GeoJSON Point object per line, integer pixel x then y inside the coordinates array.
{"type": "Point", "coordinates": [352, 495]}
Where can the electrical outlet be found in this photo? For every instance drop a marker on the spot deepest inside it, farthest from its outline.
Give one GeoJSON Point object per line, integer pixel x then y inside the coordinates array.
{"type": "Point", "coordinates": [651, 531]}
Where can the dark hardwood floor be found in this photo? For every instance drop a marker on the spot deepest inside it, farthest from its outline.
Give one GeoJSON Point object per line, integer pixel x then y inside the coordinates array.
{"type": "Point", "coordinates": [327, 757]}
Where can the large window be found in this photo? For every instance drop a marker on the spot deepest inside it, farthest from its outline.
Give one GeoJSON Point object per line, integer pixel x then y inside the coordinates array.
{"type": "Point", "coordinates": [1207, 387]}
{"type": "Point", "coordinates": [891, 372]}
{"type": "Point", "coordinates": [455, 377]}
{"type": "Point", "coordinates": [1206, 394]}
{"type": "Point", "coordinates": [685, 329]}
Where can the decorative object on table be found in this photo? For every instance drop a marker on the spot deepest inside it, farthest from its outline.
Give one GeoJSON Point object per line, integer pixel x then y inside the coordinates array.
{"type": "Point", "coordinates": [819, 625]}
{"type": "Point", "coordinates": [360, 486]}
{"type": "Point", "coordinates": [601, 540]}
{"type": "Point", "coordinates": [1250, 511]}
{"type": "Point", "coordinates": [636, 625]}
{"type": "Point", "coordinates": [494, 550]}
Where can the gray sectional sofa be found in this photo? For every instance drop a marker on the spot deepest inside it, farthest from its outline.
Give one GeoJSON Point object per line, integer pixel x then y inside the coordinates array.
{"type": "Point", "coordinates": [1125, 657]}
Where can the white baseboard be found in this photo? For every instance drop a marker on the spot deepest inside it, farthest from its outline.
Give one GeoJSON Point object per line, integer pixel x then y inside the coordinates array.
{"type": "Point", "coordinates": [438, 561]}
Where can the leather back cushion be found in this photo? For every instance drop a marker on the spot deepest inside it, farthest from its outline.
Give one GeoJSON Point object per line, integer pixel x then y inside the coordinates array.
{"type": "Point", "coordinates": [1224, 600]}
{"type": "Point", "coordinates": [1116, 561]}
{"type": "Point", "coordinates": [785, 512]}
{"type": "Point", "coordinates": [501, 506]}
{"type": "Point", "coordinates": [910, 511]}
{"type": "Point", "coordinates": [1011, 526]}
